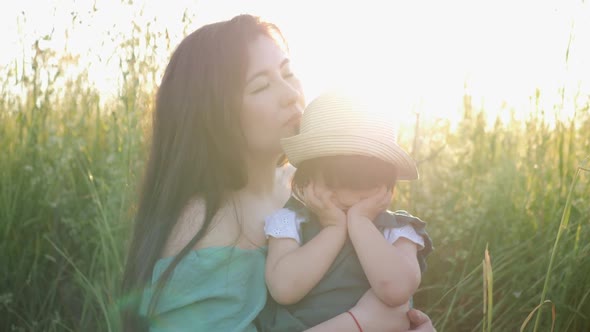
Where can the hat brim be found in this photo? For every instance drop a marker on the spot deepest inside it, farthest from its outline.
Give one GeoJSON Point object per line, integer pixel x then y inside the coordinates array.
{"type": "Point", "coordinates": [304, 146]}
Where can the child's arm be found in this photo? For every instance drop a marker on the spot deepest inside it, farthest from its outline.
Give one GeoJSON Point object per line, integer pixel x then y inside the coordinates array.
{"type": "Point", "coordinates": [292, 271]}
{"type": "Point", "coordinates": [392, 270]}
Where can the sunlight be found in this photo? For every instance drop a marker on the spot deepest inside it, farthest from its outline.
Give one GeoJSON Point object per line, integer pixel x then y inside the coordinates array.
{"type": "Point", "coordinates": [420, 56]}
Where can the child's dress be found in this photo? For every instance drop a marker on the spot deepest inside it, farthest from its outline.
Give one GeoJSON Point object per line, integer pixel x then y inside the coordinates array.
{"type": "Point", "coordinates": [345, 282]}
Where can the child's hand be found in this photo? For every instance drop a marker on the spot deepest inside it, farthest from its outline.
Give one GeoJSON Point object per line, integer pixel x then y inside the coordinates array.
{"type": "Point", "coordinates": [371, 206]}
{"type": "Point", "coordinates": [319, 199]}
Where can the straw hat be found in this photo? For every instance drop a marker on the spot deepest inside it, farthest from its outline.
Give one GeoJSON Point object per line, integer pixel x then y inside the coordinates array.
{"type": "Point", "coordinates": [335, 124]}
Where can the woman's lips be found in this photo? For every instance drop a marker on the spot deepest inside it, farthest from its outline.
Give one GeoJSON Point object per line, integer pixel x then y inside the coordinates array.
{"type": "Point", "coordinates": [294, 120]}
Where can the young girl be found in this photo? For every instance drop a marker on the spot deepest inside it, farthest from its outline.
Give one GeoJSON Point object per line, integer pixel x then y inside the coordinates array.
{"type": "Point", "coordinates": [334, 239]}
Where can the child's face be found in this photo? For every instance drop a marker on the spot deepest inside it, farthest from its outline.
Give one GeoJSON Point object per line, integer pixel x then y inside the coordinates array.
{"type": "Point", "coordinates": [346, 198]}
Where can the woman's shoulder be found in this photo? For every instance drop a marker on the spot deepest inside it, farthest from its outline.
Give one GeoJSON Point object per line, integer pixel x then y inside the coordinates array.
{"type": "Point", "coordinates": [188, 224]}
{"type": "Point", "coordinates": [223, 230]}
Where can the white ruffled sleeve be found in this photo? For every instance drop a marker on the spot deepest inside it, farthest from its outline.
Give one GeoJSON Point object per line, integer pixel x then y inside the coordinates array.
{"type": "Point", "coordinates": [408, 232]}
{"type": "Point", "coordinates": [283, 224]}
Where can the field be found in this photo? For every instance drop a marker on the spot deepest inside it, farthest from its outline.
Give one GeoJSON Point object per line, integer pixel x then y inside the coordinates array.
{"type": "Point", "coordinates": [70, 162]}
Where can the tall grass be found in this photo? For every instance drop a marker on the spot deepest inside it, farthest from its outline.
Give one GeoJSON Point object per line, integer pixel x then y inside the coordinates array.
{"type": "Point", "coordinates": [505, 186]}
{"type": "Point", "coordinates": [68, 172]}
{"type": "Point", "coordinates": [70, 161]}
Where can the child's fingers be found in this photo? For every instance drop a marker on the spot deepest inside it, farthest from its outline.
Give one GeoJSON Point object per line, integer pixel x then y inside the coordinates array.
{"type": "Point", "coordinates": [332, 203]}
{"type": "Point", "coordinates": [378, 197]}
{"type": "Point", "coordinates": [378, 201]}
{"type": "Point", "coordinates": [326, 197]}
{"type": "Point", "coordinates": [419, 321]}
{"type": "Point", "coordinates": [384, 200]}
{"type": "Point", "coordinates": [314, 196]}
{"type": "Point", "coordinates": [323, 194]}
{"type": "Point", "coordinates": [308, 194]}
{"type": "Point", "coordinates": [311, 197]}
{"type": "Point", "coordinates": [386, 197]}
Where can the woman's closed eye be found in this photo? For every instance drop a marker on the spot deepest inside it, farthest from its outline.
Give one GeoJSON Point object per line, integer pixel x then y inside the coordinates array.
{"type": "Point", "coordinates": [260, 88]}
{"type": "Point", "coordinates": [259, 85]}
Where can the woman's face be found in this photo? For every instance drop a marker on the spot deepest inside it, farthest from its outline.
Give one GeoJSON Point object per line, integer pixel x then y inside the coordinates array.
{"type": "Point", "coordinates": [272, 101]}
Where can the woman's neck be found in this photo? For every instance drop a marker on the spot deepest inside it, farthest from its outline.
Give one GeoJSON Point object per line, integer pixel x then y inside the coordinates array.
{"type": "Point", "coordinates": [261, 176]}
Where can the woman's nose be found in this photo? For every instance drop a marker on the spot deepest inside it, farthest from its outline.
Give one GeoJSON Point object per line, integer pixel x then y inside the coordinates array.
{"type": "Point", "coordinates": [291, 94]}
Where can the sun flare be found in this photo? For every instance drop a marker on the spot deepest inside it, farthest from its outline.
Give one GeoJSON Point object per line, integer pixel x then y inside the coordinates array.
{"type": "Point", "coordinates": [419, 56]}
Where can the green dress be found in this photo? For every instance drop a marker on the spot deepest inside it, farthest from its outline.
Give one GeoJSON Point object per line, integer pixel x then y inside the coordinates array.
{"type": "Point", "coordinates": [211, 289]}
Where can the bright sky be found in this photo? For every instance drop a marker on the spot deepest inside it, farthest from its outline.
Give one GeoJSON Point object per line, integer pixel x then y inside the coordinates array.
{"type": "Point", "coordinates": [418, 55]}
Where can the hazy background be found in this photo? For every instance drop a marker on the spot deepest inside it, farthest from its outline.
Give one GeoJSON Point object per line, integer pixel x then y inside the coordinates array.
{"type": "Point", "coordinates": [495, 98]}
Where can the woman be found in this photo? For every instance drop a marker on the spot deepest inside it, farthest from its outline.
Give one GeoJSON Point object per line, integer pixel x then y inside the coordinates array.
{"type": "Point", "coordinates": [226, 99]}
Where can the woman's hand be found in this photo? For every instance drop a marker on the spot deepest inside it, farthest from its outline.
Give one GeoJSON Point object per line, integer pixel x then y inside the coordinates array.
{"type": "Point", "coordinates": [319, 199]}
{"type": "Point", "coordinates": [374, 315]}
{"type": "Point", "coordinates": [420, 322]}
{"type": "Point", "coordinates": [371, 206]}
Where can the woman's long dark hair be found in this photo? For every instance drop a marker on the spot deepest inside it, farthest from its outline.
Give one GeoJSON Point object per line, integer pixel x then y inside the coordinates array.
{"type": "Point", "coordinates": [196, 146]}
